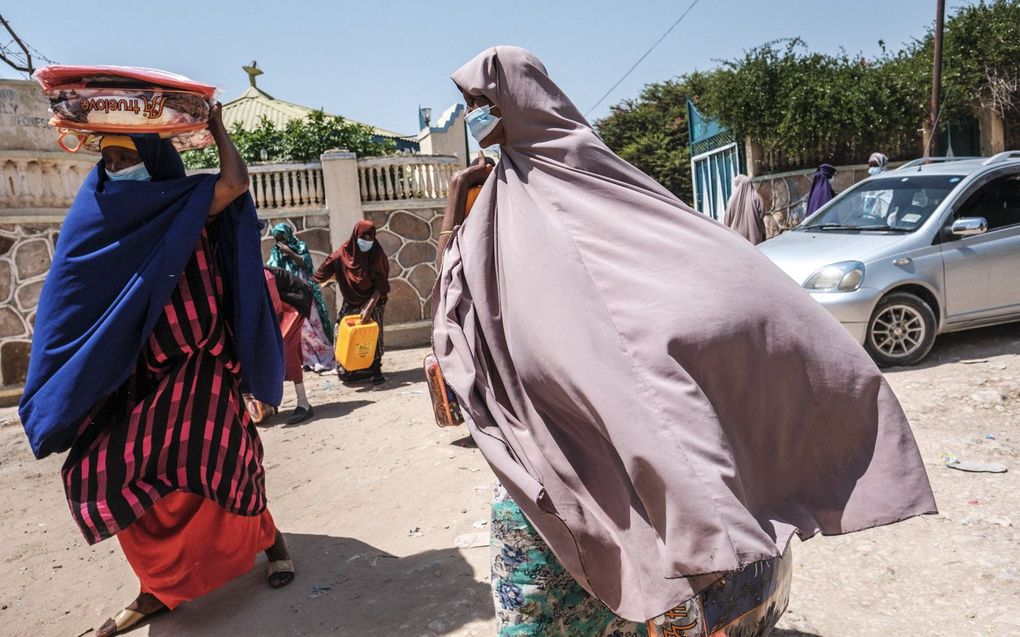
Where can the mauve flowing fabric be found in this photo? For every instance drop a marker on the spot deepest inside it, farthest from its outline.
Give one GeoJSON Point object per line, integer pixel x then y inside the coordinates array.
{"type": "Point", "coordinates": [745, 212]}
{"type": "Point", "coordinates": [660, 400]}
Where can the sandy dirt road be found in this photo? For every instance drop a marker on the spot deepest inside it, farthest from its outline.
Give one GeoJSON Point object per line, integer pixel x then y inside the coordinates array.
{"type": "Point", "coordinates": [372, 496]}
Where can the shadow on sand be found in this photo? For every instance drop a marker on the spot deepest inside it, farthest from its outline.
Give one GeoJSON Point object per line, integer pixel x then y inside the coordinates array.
{"type": "Point", "coordinates": [343, 587]}
{"type": "Point", "coordinates": [969, 345]}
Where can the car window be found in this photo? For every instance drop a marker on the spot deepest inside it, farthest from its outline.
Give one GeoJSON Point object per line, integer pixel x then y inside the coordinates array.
{"type": "Point", "coordinates": [998, 202]}
{"type": "Point", "coordinates": [897, 202]}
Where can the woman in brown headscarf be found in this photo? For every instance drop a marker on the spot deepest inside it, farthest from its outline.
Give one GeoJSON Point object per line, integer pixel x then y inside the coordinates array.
{"type": "Point", "coordinates": [745, 211]}
{"type": "Point", "coordinates": [361, 270]}
{"type": "Point", "coordinates": [659, 399]}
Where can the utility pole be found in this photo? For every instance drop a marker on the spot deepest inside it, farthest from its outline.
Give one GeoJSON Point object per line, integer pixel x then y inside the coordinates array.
{"type": "Point", "coordinates": [936, 77]}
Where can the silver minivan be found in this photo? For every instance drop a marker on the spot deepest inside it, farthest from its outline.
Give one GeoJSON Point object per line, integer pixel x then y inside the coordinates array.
{"type": "Point", "coordinates": [931, 247]}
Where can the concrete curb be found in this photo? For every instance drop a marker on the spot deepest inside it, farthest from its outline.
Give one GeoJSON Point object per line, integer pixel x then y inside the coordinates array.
{"type": "Point", "coordinates": [10, 396]}
{"type": "Point", "coordinates": [408, 335]}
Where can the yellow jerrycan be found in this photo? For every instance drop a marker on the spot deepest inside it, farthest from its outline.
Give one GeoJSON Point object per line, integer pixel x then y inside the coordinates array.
{"type": "Point", "coordinates": [355, 343]}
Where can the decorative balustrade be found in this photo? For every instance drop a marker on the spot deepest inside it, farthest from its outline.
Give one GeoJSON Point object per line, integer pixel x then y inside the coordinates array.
{"type": "Point", "coordinates": [276, 187]}
{"type": "Point", "coordinates": [287, 186]}
{"type": "Point", "coordinates": [41, 182]}
{"type": "Point", "coordinates": [401, 178]}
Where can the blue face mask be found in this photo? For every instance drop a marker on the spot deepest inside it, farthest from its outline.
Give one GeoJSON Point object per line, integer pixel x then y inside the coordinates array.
{"type": "Point", "coordinates": [481, 122]}
{"type": "Point", "coordinates": [365, 246]}
{"type": "Point", "coordinates": [874, 170]}
{"type": "Point", "coordinates": [138, 172]}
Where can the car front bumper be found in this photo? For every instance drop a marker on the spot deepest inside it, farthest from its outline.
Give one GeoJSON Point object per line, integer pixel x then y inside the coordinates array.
{"type": "Point", "coordinates": [852, 309]}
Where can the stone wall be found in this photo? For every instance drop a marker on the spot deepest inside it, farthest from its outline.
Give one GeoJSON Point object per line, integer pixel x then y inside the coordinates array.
{"type": "Point", "coordinates": [24, 117]}
{"type": "Point", "coordinates": [38, 185]}
{"type": "Point", "coordinates": [409, 237]}
{"type": "Point", "coordinates": [25, 255]}
{"type": "Point", "coordinates": [785, 194]}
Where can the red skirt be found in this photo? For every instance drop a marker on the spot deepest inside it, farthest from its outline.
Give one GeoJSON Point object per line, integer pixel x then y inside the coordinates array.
{"type": "Point", "coordinates": [185, 546]}
{"type": "Point", "coordinates": [290, 326]}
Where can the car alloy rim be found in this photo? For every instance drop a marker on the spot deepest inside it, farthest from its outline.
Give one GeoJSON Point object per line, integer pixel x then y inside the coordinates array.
{"type": "Point", "coordinates": [898, 331]}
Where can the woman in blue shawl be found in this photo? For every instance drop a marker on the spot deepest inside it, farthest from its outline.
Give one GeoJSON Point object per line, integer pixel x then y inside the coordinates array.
{"type": "Point", "coordinates": [153, 319]}
{"type": "Point", "coordinates": [291, 254]}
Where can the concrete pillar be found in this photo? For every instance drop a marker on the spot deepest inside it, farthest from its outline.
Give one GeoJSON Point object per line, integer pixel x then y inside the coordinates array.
{"type": "Point", "coordinates": [993, 132]}
{"type": "Point", "coordinates": [753, 154]}
{"type": "Point", "coordinates": [343, 194]}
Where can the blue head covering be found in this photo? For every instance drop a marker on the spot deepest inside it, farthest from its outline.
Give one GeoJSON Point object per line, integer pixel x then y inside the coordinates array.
{"type": "Point", "coordinates": [122, 249]}
{"type": "Point", "coordinates": [821, 189]}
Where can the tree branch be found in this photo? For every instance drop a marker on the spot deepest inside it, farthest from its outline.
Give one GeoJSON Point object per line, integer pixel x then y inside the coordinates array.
{"type": "Point", "coordinates": [27, 67]}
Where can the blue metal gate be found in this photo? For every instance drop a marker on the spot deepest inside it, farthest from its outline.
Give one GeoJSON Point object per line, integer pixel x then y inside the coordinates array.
{"type": "Point", "coordinates": [716, 158]}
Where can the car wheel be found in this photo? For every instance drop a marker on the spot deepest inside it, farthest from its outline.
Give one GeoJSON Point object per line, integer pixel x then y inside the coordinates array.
{"type": "Point", "coordinates": [901, 330]}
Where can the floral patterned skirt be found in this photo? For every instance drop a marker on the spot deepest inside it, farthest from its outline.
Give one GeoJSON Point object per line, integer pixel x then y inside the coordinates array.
{"type": "Point", "coordinates": [534, 595]}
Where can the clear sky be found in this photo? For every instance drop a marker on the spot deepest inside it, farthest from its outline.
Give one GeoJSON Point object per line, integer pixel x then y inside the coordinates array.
{"type": "Point", "coordinates": [377, 61]}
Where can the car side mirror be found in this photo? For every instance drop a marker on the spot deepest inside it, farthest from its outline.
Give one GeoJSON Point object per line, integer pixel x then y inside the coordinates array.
{"type": "Point", "coordinates": [969, 227]}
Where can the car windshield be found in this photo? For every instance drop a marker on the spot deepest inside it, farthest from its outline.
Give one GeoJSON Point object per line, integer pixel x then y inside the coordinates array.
{"type": "Point", "coordinates": [894, 203]}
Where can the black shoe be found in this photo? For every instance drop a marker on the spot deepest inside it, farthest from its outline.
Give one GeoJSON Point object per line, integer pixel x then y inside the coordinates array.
{"type": "Point", "coordinates": [300, 414]}
{"type": "Point", "coordinates": [378, 378]}
{"type": "Point", "coordinates": [359, 376]}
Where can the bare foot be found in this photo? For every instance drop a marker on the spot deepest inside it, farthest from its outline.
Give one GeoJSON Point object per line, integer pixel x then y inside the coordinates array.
{"type": "Point", "coordinates": [145, 603]}
{"type": "Point", "coordinates": [277, 553]}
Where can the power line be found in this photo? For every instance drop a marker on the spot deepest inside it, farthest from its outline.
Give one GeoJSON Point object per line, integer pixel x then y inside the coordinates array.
{"type": "Point", "coordinates": [40, 55]}
{"type": "Point", "coordinates": [642, 58]}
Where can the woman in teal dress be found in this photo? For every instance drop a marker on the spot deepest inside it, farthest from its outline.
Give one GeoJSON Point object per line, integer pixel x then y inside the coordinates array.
{"type": "Point", "coordinates": [291, 254]}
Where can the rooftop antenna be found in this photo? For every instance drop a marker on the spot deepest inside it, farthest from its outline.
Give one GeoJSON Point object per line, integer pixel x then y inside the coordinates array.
{"type": "Point", "coordinates": [253, 71]}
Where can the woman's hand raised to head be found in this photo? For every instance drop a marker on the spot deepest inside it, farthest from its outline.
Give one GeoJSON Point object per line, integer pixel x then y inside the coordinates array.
{"type": "Point", "coordinates": [215, 116]}
{"type": "Point", "coordinates": [233, 180]}
{"type": "Point", "coordinates": [474, 175]}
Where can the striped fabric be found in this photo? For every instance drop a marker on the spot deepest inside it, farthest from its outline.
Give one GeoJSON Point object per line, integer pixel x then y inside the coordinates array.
{"type": "Point", "coordinates": [178, 423]}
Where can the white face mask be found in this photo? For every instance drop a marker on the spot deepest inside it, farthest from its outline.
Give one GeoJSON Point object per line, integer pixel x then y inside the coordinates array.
{"type": "Point", "coordinates": [138, 172]}
{"type": "Point", "coordinates": [874, 170]}
{"type": "Point", "coordinates": [365, 246]}
{"type": "Point", "coordinates": [481, 122]}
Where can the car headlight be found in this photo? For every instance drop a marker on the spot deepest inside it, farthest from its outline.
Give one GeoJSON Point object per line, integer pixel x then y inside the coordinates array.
{"type": "Point", "coordinates": [845, 276]}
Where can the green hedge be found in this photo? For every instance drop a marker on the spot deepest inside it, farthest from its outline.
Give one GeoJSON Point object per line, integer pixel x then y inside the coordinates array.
{"type": "Point", "coordinates": [804, 107]}
{"type": "Point", "coordinates": [301, 140]}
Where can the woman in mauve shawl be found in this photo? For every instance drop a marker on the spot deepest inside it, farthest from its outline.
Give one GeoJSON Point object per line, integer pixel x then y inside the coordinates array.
{"type": "Point", "coordinates": [661, 402]}
{"type": "Point", "coordinates": [745, 212]}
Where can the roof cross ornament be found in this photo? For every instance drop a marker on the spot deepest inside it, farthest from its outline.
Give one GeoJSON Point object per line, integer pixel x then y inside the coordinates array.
{"type": "Point", "coordinates": [253, 71]}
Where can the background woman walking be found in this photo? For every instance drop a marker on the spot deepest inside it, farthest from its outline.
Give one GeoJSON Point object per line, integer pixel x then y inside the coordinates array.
{"type": "Point", "coordinates": [745, 212]}
{"type": "Point", "coordinates": [291, 254]}
{"type": "Point", "coordinates": [361, 270]}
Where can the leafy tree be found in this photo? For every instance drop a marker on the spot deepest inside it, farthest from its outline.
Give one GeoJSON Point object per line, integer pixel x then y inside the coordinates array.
{"type": "Point", "coordinates": [651, 133]}
{"type": "Point", "coordinates": [981, 58]}
{"type": "Point", "coordinates": [808, 107]}
{"type": "Point", "coordinates": [300, 140]}
{"type": "Point", "coordinates": [805, 107]}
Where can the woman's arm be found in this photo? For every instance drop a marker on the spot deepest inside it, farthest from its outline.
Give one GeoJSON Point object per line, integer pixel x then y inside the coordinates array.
{"type": "Point", "coordinates": [366, 314]}
{"type": "Point", "coordinates": [456, 204]}
{"type": "Point", "coordinates": [326, 271]}
{"type": "Point", "coordinates": [233, 180]}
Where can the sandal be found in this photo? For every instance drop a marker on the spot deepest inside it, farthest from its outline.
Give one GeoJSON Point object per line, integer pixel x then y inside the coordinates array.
{"type": "Point", "coordinates": [127, 619]}
{"type": "Point", "coordinates": [281, 573]}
